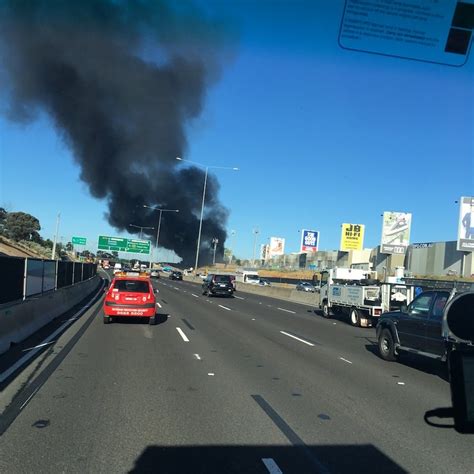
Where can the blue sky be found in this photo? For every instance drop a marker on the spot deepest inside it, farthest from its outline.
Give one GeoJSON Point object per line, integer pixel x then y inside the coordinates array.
{"type": "Point", "coordinates": [322, 136]}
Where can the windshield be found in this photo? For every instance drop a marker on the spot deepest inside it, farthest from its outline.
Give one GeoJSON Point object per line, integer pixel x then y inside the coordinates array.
{"type": "Point", "coordinates": [222, 279]}
{"type": "Point", "coordinates": [131, 286]}
{"type": "Point", "coordinates": [135, 134]}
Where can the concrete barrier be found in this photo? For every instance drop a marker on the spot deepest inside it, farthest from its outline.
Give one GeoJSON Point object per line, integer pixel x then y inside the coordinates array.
{"type": "Point", "coordinates": [20, 320]}
{"type": "Point", "coordinates": [282, 293]}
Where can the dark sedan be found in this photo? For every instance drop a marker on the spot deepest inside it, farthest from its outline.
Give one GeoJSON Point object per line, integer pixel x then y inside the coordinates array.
{"type": "Point", "coordinates": [176, 276]}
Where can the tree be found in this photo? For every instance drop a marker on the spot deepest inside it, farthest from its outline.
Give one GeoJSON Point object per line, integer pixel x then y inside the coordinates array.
{"type": "Point", "coordinates": [69, 247]}
{"type": "Point", "coordinates": [48, 243]}
{"type": "Point", "coordinates": [20, 225]}
{"type": "Point", "coordinates": [3, 215]}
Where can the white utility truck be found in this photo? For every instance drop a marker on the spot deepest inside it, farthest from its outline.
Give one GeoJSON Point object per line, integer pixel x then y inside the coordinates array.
{"type": "Point", "coordinates": [353, 292]}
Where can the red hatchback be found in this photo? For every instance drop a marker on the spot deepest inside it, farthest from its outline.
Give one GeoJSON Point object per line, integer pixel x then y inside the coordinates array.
{"type": "Point", "coordinates": [130, 296]}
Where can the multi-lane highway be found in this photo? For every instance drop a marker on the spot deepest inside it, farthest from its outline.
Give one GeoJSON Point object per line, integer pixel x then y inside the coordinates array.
{"type": "Point", "coordinates": [244, 384]}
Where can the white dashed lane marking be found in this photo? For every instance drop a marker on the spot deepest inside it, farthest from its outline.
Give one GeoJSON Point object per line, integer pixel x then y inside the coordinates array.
{"type": "Point", "coordinates": [297, 338]}
{"type": "Point", "coordinates": [181, 333]}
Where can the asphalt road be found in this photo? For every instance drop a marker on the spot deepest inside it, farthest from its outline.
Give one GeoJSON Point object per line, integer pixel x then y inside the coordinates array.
{"type": "Point", "coordinates": [245, 384]}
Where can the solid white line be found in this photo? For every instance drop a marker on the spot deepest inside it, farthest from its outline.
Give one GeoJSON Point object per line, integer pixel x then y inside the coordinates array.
{"type": "Point", "coordinates": [181, 333]}
{"type": "Point", "coordinates": [29, 398]}
{"type": "Point", "coordinates": [195, 296]}
{"type": "Point", "coordinates": [345, 360]}
{"type": "Point", "coordinates": [224, 307]}
{"type": "Point", "coordinates": [287, 310]}
{"type": "Point", "coordinates": [30, 354]}
{"type": "Point", "coordinates": [198, 357]}
{"type": "Point", "coordinates": [38, 346]}
{"type": "Point", "coordinates": [238, 297]}
{"type": "Point", "coordinates": [297, 338]}
{"type": "Point", "coordinates": [71, 319]}
{"type": "Point", "coordinates": [272, 466]}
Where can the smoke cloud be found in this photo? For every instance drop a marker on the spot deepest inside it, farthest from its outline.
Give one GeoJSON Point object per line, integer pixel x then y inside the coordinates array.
{"type": "Point", "coordinates": [121, 80]}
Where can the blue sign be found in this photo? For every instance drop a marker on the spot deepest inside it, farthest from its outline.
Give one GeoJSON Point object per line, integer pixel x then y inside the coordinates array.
{"type": "Point", "coordinates": [309, 241]}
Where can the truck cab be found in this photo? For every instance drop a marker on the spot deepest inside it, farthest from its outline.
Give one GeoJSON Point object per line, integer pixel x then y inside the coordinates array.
{"type": "Point", "coordinates": [416, 328]}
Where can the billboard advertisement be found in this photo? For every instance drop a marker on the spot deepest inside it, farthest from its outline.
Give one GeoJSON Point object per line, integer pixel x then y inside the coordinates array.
{"type": "Point", "coordinates": [352, 237]}
{"type": "Point", "coordinates": [309, 241]}
{"type": "Point", "coordinates": [277, 246]}
{"type": "Point", "coordinates": [466, 224]}
{"type": "Point", "coordinates": [395, 232]}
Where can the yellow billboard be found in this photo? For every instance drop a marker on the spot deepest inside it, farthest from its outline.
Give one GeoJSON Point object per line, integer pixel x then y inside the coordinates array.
{"type": "Point", "coordinates": [352, 237]}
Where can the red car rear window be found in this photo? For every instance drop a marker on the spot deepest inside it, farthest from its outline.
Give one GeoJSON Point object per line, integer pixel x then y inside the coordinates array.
{"type": "Point", "coordinates": [132, 286]}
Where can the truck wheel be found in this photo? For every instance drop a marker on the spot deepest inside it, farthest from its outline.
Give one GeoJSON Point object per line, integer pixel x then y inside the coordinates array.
{"type": "Point", "coordinates": [107, 319]}
{"type": "Point", "coordinates": [326, 310]}
{"type": "Point", "coordinates": [387, 345]}
{"type": "Point", "coordinates": [355, 317]}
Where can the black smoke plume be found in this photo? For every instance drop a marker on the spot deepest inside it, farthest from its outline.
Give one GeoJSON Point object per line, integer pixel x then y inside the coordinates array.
{"type": "Point", "coordinates": [121, 80]}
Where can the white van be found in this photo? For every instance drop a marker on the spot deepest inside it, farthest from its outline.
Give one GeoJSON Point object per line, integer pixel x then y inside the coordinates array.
{"type": "Point", "coordinates": [117, 268]}
{"type": "Point", "coordinates": [248, 276]}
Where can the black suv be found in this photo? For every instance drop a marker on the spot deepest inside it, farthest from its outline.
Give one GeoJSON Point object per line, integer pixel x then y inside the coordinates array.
{"type": "Point", "coordinates": [218, 285]}
{"type": "Point", "coordinates": [176, 276]}
{"type": "Point", "coordinates": [416, 328]}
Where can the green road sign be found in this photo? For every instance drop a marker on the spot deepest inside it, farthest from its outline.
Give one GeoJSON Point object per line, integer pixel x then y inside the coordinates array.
{"type": "Point", "coordinates": [138, 246]}
{"type": "Point", "coordinates": [79, 241]}
{"type": "Point", "coordinates": [120, 244]}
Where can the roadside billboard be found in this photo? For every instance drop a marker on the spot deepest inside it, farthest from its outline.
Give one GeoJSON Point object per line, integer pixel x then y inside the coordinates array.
{"type": "Point", "coordinates": [395, 232]}
{"type": "Point", "coordinates": [309, 241]}
{"type": "Point", "coordinates": [277, 246]}
{"type": "Point", "coordinates": [466, 224]}
{"type": "Point", "coordinates": [352, 237]}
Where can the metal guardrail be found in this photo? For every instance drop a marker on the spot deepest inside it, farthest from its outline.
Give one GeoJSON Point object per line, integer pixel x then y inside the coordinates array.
{"type": "Point", "coordinates": [21, 278]}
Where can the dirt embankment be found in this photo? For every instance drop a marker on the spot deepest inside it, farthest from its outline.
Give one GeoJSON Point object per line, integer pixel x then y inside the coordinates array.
{"type": "Point", "coordinates": [14, 249]}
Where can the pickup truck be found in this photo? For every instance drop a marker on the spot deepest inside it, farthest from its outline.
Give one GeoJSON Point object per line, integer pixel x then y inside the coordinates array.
{"type": "Point", "coordinates": [417, 328]}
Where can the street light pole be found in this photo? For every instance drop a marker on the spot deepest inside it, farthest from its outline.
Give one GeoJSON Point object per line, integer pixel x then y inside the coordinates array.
{"type": "Point", "coordinates": [200, 221]}
{"type": "Point", "coordinates": [159, 223]}
{"type": "Point", "coordinates": [206, 167]}
{"type": "Point", "coordinates": [53, 256]}
{"type": "Point", "coordinates": [255, 231]}
{"type": "Point", "coordinates": [215, 241]}
{"type": "Point", "coordinates": [231, 254]}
